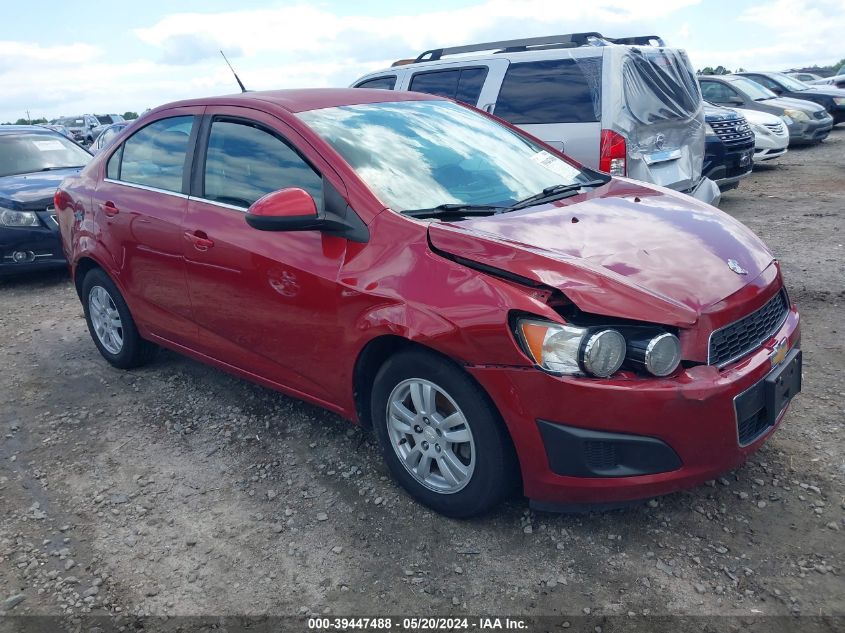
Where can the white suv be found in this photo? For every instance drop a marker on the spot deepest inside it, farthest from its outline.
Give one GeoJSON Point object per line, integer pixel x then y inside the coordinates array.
{"type": "Point", "coordinates": [627, 106]}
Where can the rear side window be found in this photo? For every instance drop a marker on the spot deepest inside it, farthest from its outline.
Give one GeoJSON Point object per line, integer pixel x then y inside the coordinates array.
{"type": "Point", "coordinates": [551, 91]}
{"type": "Point", "coordinates": [379, 83]}
{"type": "Point", "coordinates": [245, 162]}
{"type": "Point", "coordinates": [155, 155]}
{"type": "Point", "coordinates": [462, 84]}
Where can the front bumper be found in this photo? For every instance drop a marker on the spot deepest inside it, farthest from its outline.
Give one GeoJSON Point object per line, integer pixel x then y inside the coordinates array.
{"type": "Point", "coordinates": [693, 414]}
{"type": "Point", "coordinates": [24, 249]}
{"type": "Point", "coordinates": [810, 131]}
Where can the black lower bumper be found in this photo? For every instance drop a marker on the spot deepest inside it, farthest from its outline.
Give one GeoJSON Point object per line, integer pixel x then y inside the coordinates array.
{"type": "Point", "coordinates": [577, 452]}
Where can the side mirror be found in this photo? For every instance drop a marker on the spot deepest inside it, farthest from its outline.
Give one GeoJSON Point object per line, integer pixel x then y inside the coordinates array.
{"type": "Point", "coordinates": [289, 209]}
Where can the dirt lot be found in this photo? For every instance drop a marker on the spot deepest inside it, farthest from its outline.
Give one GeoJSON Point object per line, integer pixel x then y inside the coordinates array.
{"type": "Point", "coordinates": [178, 490]}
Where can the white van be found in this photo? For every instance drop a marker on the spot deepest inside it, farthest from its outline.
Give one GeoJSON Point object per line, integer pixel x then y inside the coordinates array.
{"type": "Point", "coordinates": [627, 106]}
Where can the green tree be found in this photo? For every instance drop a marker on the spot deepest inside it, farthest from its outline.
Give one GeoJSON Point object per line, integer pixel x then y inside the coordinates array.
{"type": "Point", "coordinates": [30, 121]}
{"type": "Point", "coordinates": [130, 115]}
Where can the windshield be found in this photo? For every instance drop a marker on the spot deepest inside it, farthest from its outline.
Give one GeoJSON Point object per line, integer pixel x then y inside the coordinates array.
{"type": "Point", "coordinates": [790, 83]}
{"type": "Point", "coordinates": [105, 119]}
{"type": "Point", "coordinates": [27, 153]}
{"type": "Point", "coordinates": [752, 89]}
{"type": "Point", "coordinates": [71, 122]}
{"type": "Point", "coordinates": [422, 154]}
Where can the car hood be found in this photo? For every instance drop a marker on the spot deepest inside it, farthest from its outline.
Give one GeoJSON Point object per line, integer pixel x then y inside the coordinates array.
{"type": "Point", "coordinates": [759, 117]}
{"type": "Point", "coordinates": [32, 191]}
{"type": "Point", "coordinates": [828, 91]}
{"type": "Point", "coordinates": [795, 104]}
{"type": "Point", "coordinates": [622, 250]}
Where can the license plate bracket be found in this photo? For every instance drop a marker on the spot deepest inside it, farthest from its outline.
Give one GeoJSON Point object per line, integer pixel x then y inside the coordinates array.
{"type": "Point", "coordinates": [782, 384]}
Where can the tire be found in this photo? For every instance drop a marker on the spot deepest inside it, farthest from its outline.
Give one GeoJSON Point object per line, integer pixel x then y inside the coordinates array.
{"type": "Point", "coordinates": [110, 323]}
{"type": "Point", "coordinates": [465, 477]}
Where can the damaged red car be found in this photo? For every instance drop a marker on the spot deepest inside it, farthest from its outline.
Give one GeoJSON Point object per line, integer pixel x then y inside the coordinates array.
{"type": "Point", "coordinates": [502, 317]}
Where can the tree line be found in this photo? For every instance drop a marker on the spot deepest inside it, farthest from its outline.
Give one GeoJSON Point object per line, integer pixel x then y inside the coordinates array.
{"type": "Point", "coordinates": [129, 115]}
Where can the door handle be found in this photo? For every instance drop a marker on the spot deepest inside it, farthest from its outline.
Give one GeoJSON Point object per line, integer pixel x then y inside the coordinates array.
{"type": "Point", "coordinates": [199, 239]}
{"type": "Point", "coordinates": [109, 208]}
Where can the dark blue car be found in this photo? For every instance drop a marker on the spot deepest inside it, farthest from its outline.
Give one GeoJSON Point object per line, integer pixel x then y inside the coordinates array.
{"type": "Point", "coordinates": [33, 161]}
{"type": "Point", "coordinates": [728, 147]}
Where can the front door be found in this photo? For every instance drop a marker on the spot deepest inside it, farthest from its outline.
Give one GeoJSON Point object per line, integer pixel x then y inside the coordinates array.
{"type": "Point", "coordinates": [265, 302]}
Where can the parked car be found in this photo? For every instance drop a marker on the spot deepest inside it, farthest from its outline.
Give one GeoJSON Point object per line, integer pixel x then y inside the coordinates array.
{"type": "Point", "coordinates": [807, 122]}
{"type": "Point", "coordinates": [837, 81]}
{"type": "Point", "coordinates": [33, 161]}
{"type": "Point", "coordinates": [629, 106]}
{"type": "Point", "coordinates": [831, 98]}
{"type": "Point", "coordinates": [771, 136]}
{"type": "Point", "coordinates": [109, 119]}
{"type": "Point", "coordinates": [729, 147]}
{"type": "Point", "coordinates": [496, 312]}
{"type": "Point", "coordinates": [108, 134]}
{"type": "Point", "coordinates": [805, 77]}
{"type": "Point", "coordinates": [61, 129]}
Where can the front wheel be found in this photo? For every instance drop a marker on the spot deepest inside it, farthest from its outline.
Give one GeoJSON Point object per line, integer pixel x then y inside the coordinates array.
{"type": "Point", "coordinates": [441, 436]}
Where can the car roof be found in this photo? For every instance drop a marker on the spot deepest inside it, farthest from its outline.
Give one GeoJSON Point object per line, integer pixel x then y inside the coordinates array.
{"type": "Point", "coordinates": [20, 129]}
{"type": "Point", "coordinates": [306, 99]}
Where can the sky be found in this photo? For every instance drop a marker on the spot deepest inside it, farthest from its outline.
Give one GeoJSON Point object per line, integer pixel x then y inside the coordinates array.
{"type": "Point", "coordinates": [65, 58]}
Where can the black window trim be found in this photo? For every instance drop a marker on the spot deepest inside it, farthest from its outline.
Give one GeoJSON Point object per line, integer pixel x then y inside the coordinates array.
{"type": "Point", "coordinates": [196, 190]}
{"type": "Point", "coordinates": [187, 165]}
{"type": "Point", "coordinates": [388, 76]}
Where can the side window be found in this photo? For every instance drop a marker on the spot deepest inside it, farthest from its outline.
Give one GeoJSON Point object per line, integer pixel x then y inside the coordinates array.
{"type": "Point", "coordinates": [379, 83]}
{"type": "Point", "coordinates": [245, 162]}
{"type": "Point", "coordinates": [155, 155]}
{"type": "Point", "coordinates": [443, 83]}
{"type": "Point", "coordinates": [717, 92]}
{"type": "Point", "coordinates": [463, 85]}
{"type": "Point", "coordinates": [551, 91]}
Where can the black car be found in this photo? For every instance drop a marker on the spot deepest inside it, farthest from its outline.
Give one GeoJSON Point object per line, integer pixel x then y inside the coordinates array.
{"type": "Point", "coordinates": [33, 161]}
{"type": "Point", "coordinates": [832, 98]}
{"type": "Point", "coordinates": [728, 147]}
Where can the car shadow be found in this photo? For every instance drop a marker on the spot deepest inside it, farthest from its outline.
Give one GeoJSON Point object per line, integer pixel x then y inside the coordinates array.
{"type": "Point", "coordinates": [35, 279]}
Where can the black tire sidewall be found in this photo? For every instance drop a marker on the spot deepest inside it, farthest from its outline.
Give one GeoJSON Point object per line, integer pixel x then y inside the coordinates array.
{"type": "Point", "coordinates": [132, 353]}
{"type": "Point", "coordinates": [493, 474]}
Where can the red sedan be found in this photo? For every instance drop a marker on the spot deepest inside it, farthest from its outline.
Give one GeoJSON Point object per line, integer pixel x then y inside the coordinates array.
{"type": "Point", "coordinates": [498, 314]}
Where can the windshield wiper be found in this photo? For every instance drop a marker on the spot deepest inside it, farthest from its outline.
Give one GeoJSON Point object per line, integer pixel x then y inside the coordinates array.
{"type": "Point", "coordinates": [458, 209]}
{"type": "Point", "coordinates": [555, 192]}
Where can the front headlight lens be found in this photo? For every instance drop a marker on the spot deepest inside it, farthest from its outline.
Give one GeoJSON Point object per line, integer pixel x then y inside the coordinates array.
{"type": "Point", "coordinates": [708, 131]}
{"type": "Point", "coordinates": [759, 129]}
{"type": "Point", "coordinates": [839, 101]}
{"type": "Point", "coordinates": [552, 346]}
{"type": "Point", "coordinates": [566, 349]}
{"type": "Point", "coordinates": [796, 115]}
{"type": "Point", "coordinates": [604, 353]}
{"type": "Point", "coordinates": [663, 354]}
{"type": "Point", "coordinates": [8, 217]}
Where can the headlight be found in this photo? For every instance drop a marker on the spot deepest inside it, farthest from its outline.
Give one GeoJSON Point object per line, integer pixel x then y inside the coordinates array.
{"type": "Point", "coordinates": [759, 129]}
{"type": "Point", "coordinates": [660, 355]}
{"type": "Point", "coordinates": [797, 115]}
{"type": "Point", "coordinates": [708, 131]}
{"type": "Point", "coordinates": [18, 218]}
{"type": "Point", "coordinates": [786, 120]}
{"type": "Point", "coordinates": [839, 101]}
{"type": "Point", "coordinates": [566, 349]}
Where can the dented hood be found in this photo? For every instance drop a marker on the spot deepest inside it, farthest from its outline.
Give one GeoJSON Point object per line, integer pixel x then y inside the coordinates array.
{"type": "Point", "coordinates": [622, 250]}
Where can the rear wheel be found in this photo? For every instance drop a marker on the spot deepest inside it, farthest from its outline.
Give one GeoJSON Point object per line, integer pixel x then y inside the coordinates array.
{"type": "Point", "coordinates": [441, 437]}
{"type": "Point", "coordinates": [110, 323]}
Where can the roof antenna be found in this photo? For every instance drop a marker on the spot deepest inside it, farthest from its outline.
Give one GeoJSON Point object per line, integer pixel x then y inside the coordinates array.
{"type": "Point", "coordinates": [238, 79]}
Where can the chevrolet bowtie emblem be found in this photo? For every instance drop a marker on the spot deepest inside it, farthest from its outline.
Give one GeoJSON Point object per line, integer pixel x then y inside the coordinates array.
{"type": "Point", "coordinates": [779, 353]}
{"type": "Point", "coordinates": [734, 266]}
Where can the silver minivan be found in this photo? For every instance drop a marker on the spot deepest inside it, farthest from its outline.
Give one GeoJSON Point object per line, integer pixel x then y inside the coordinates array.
{"type": "Point", "coordinates": [627, 106]}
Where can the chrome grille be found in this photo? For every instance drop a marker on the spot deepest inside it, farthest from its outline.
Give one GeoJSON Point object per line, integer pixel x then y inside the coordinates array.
{"type": "Point", "coordinates": [775, 128]}
{"type": "Point", "coordinates": [734, 341]}
{"type": "Point", "coordinates": [733, 132]}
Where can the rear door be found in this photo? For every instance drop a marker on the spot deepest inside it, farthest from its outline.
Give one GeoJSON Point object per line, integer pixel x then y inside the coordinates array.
{"type": "Point", "coordinates": [140, 205]}
{"type": "Point", "coordinates": [556, 100]}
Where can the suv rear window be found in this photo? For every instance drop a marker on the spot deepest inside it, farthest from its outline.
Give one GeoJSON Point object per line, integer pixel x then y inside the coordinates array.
{"type": "Point", "coordinates": [463, 84]}
{"type": "Point", "coordinates": [551, 91]}
{"type": "Point", "coordinates": [659, 85]}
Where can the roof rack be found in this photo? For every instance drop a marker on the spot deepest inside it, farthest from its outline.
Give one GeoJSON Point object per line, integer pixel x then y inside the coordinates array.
{"type": "Point", "coordinates": [568, 40]}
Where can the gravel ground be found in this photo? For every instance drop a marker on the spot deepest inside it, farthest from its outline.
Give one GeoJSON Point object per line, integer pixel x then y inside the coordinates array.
{"type": "Point", "coordinates": [177, 489]}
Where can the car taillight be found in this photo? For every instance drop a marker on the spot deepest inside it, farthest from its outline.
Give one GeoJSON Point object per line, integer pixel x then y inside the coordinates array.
{"type": "Point", "coordinates": [613, 153]}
